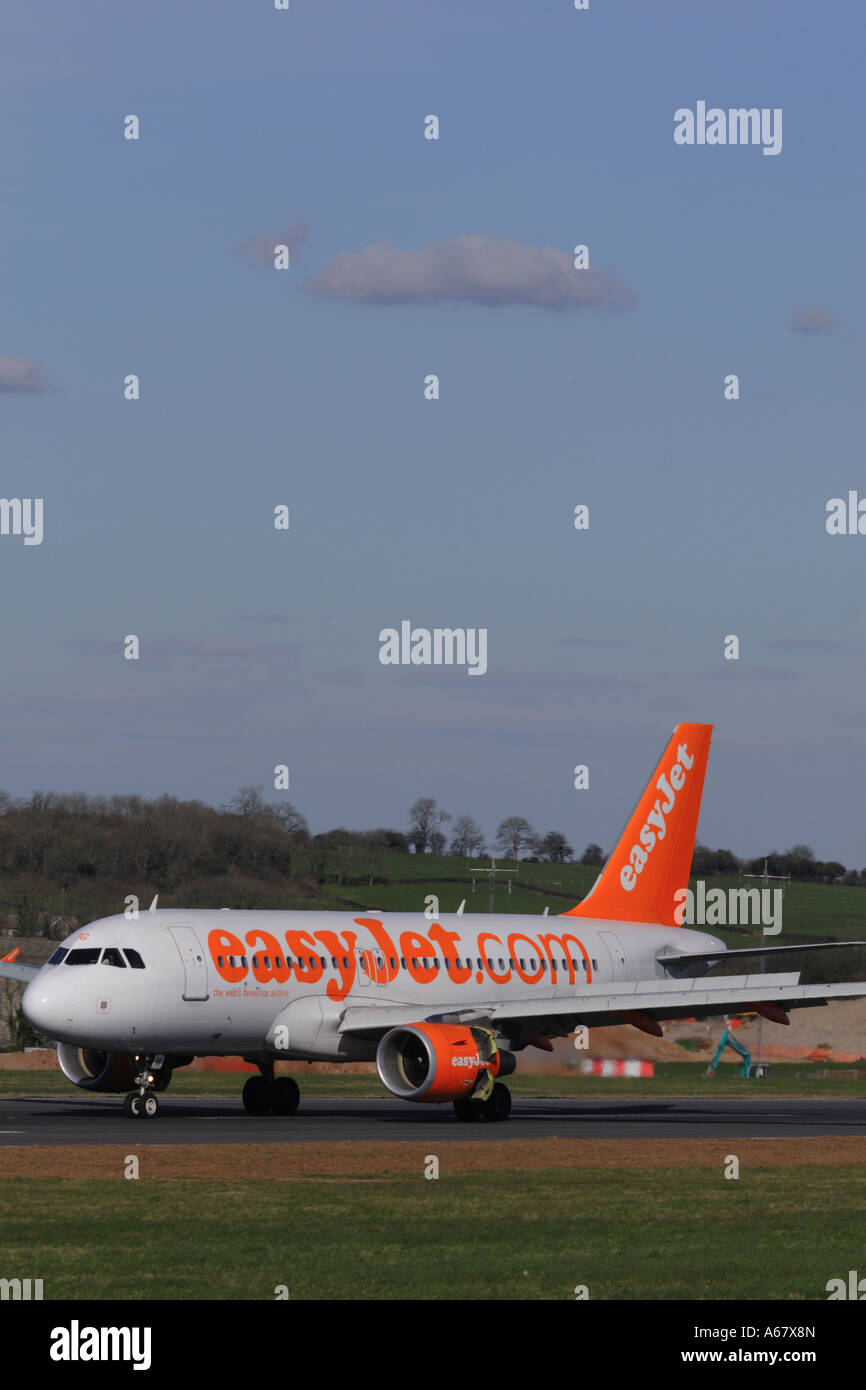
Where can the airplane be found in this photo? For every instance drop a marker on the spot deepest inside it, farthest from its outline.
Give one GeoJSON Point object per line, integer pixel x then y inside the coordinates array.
{"type": "Point", "coordinates": [442, 1005]}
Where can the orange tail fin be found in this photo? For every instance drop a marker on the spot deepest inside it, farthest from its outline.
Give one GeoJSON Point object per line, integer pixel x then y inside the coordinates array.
{"type": "Point", "coordinates": [653, 855]}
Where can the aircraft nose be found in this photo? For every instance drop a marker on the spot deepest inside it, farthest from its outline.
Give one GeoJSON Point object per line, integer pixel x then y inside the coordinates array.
{"type": "Point", "coordinates": [45, 1004]}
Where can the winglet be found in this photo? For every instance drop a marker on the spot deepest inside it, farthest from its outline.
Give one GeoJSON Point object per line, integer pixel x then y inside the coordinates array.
{"type": "Point", "coordinates": [653, 856]}
{"type": "Point", "coordinates": [13, 955]}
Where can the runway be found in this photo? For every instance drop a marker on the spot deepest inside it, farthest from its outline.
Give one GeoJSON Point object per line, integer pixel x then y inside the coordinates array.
{"type": "Point", "coordinates": [27, 1121]}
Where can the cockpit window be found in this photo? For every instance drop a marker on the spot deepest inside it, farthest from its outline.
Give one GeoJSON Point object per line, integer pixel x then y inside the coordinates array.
{"type": "Point", "coordinates": [84, 955]}
{"type": "Point", "coordinates": [58, 955]}
{"type": "Point", "coordinates": [111, 956]}
{"type": "Point", "coordinates": [134, 958]}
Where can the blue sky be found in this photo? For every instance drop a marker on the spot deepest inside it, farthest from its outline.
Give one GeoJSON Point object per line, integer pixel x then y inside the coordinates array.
{"type": "Point", "coordinates": [707, 516]}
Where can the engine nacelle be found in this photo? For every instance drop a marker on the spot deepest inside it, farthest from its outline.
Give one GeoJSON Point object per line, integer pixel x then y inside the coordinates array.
{"type": "Point", "coordinates": [437, 1062]}
{"type": "Point", "coordinates": [110, 1071]}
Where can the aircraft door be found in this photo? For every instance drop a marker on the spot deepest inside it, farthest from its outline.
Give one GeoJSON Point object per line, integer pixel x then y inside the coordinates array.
{"type": "Point", "coordinates": [194, 963]}
{"type": "Point", "coordinates": [372, 968]}
{"type": "Point", "coordinates": [615, 951]}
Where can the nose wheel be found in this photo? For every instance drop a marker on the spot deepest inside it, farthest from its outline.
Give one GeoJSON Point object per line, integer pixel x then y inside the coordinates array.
{"type": "Point", "coordinates": [143, 1104]}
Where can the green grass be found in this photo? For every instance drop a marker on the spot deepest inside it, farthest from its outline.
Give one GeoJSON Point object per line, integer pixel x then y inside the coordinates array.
{"type": "Point", "coordinates": [655, 1234]}
{"type": "Point", "coordinates": [672, 1079]}
{"type": "Point", "coordinates": [406, 880]}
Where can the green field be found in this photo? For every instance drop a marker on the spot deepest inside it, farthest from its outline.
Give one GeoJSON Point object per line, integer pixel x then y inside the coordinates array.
{"type": "Point", "coordinates": [624, 1233]}
{"type": "Point", "coordinates": [672, 1079]}
{"type": "Point", "coordinates": [405, 881]}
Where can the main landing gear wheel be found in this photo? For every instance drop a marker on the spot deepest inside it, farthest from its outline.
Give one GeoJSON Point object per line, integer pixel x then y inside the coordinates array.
{"type": "Point", "coordinates": [284, 1095]}
{"type": "Point", "coordinates": [267, 1094]}
{"type": "Point", "coordinates": [279, 1097]}
{"type": "Point", "coordinates": [255, 1096]}
{"type": "Point", "coordinates": [468, 1111]}
{"type": "Point", "coordinates": [498, 1107]}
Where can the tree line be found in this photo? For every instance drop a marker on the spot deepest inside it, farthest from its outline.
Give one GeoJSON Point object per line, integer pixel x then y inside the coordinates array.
{"type": "Point", "coordinates": [67, 838]}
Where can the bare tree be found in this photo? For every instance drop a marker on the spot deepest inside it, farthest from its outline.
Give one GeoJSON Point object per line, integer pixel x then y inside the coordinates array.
{"type": "Point", "coordinates": [468, 837]}
{"type": "Point", "coordinates": [425, 817]}
{"type": "Point", "coordinates": [250, 802]}
{"type": "Point", "coordinates": [514, 834]}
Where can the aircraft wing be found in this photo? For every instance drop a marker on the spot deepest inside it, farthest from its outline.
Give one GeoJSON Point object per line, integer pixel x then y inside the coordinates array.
{"type": "Point", "coordinates": [10, 968]}
{"type": "Point", "coordinates": [670, 957]}
{"type": "Point", "coordinates": [656, 999]}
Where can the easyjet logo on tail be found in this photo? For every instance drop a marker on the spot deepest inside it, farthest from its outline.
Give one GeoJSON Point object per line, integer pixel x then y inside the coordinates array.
{"type": "Point", "coordinates": [654, 828]}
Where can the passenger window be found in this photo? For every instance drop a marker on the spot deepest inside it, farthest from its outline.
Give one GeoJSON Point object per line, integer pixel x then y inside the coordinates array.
{"type": "Point", "coordinates": [111, 956]}
{"type": "Point", "coordinates": [402, 962]}
{"type": "Point", "coordinates": [220, 962]}
{"type": "Point", "coordinates": [501, 966]}
{"type": "Point", "coordinates": [333, 962]}
{"type": "Point", "coordinates": [345, 962]}
{"type": "Point", "coordinates": [414, 962]}
{"type": "Point", "coordinates": [392, 962]}
{"type": "Point", "coordinates": [447, 962]}
{"type": "Point", "coordinates": [255, 962]}
{"type": "Point", "coordinates": [522, 963]}
{"type": "Point", "coordinates": [594, 963]}
{"type": "Point", "coordinates": [244, 962]}
{"type": "Point", "coordinates": [278, 962]}
{"type": "Point", "coordinates": [323, 963]}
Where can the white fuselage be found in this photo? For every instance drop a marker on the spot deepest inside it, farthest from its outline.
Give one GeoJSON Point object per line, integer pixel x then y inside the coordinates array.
{"type": "Point", "coordinates": [232, 982]}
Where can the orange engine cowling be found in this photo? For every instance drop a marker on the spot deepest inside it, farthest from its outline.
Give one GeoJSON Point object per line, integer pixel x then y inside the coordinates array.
{"type": "Point", "coordinates": [438, 1061]}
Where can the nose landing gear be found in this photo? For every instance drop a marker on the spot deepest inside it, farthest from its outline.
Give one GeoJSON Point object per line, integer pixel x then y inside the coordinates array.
{"type": "Point", "coordinates": [143, 1104]}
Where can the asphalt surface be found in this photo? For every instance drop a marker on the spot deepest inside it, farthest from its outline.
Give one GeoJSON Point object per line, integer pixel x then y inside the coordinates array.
{"type": "Point", "coordinates": [99, 1120]}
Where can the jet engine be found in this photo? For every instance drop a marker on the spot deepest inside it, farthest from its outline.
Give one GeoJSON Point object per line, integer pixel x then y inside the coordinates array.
{"type": "Point", "coordinates": [109, 1071]}
{"type": "Point", "coordinates": [437, 1062]}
